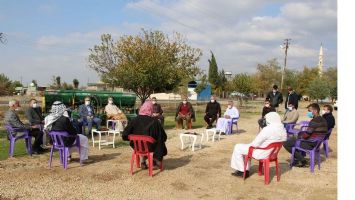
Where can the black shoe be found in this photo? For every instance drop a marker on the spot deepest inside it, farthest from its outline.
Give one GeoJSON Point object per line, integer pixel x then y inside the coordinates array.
{"type": "Point", "coordinates": [302, 164]}
{"type": "Point", "coordinates": [240, 174]}
{"type": "Point", "coordinates": [144, 165]}
{"type": "Point", "coordinates": [209, 127]}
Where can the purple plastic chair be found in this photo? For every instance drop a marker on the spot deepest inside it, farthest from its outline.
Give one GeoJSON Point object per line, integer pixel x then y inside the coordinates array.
{"type": "Point", "coordinates": [315, 151]}
{"type": "Point", "coordinates": [230, 125]}
{"type": "Point", "coordinates": [290, 130]}
{"type": "Point", "coordinates": [58, 143]}
{"type": "Point", "coordinates": [325, 143]}
{"type": "Point", "coordinates": [28, 139]}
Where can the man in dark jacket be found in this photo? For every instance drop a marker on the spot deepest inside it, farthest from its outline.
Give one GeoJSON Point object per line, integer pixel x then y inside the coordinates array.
{"type": "Point", "coordinates": [213, 111]}
{"type": "Point", "coordinates": [292, 98]}
{"type": "Point", "coordinates": [87, 116]}
{"type": "Point", "coordinates": [157, 111]}
{"type": "Point", "coordinates": [34, 113]}
{"type": "Point", "coordinates": [275, 97]}
{"type": "Point", "coordinates": [266, 109]}
{"type": "Point", "coordinates": [327, 114]}
{"type": "Point", "coordinates": [317, 126]}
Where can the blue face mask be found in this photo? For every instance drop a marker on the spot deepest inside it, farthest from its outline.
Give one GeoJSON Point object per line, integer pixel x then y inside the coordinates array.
{"type": "Point", "coordinates": [310, 114]}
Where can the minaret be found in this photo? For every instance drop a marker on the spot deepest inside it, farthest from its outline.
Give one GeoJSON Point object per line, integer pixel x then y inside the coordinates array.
{"type": "Point", "coordinates": [320, 62]}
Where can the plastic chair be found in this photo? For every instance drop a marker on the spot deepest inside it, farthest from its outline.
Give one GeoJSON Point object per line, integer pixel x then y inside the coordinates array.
{"type": "Point", "coordinates": [58, 143]}
{"type": "Point", "coordinates": [325, 143]}
{"type": "Point", "coordinates": [292, 131]}
{"type": "Point", "coordinates": [140, 148]}
{"type": "Point", "coordinates": [230, 125]}
{"type": "Point", "coordinates": [28, 139]}
{"type": "Point", "coordinates": [275, 148]}
{"type": "Point", "coordinates": [315, 151]}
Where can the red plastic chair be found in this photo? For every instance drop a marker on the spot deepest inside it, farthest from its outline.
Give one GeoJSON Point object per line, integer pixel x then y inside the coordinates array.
{"type": "Point", "coordinates": [276, 146]}
{"type": "Point", "coordinates": [141, 149]}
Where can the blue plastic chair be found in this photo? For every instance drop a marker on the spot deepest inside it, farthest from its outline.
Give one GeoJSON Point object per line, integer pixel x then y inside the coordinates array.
{"type": "Point", "coordinates": [11, 134]}
{"type": "Point", "coordinates": [230, 125]}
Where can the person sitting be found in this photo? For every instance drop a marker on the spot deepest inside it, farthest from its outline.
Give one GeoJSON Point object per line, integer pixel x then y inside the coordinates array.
{"type": "Point", "coordinates": [35, 117]}
{"type": "Point", "coordinates": [87, 115]}
{"type": "Point", "coordinates": [327, 114]}
{"type": "Point", "coordinates": [58, 120]}
{"type": "Point", "coordinates": [266, 109]}
{"type": "Point", "coordinates": [11, 118]}
{"type": "Point", "coordinates": [157, 111]}
{"type": "Point", "coordinates": [145, 124]}
{"type": "Point", "coordinates": [291, 115]}
{"type": "Point", "coordinates": [317, 126]}
{"type": "Point", "coordinates": [114, 113]}
{"type": "Point", "coordinates": [184, 112]}
{"type": "Point", "coordinates": [223, 122]}
{"type": "Point", "coordinates": [273, 132]}
{"type": "Point", "coordinates": [213, 111]}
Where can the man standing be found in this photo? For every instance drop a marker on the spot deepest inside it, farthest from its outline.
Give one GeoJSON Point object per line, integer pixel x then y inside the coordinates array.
{"type": "Point", "coordinates": [292, 98]}
{"type": "Point", "coordinates": [87, 115]}
{"type": "Point", "coordinates": [157, 111]}
{"type": "Point", "coordinates": [184, 112]}
{"type": "Point", "coordinates": [275, 97]}
{"type": "Point", "coordinates": [12, 119]}
{"type": "Point", "coordinates": [213, 111]}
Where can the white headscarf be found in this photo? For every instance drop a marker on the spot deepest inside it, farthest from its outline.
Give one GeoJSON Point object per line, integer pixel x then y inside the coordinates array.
{"type": "Point", "coordinates": [58, 109]}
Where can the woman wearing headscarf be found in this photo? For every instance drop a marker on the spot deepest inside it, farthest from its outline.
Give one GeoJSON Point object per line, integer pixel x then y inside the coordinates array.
{"type": "Point", "coordinates": [58, 120]}
{"type": "Point", "coordinates": [145, 124]}
{"type": "Point", "coordinates": [273, 132]}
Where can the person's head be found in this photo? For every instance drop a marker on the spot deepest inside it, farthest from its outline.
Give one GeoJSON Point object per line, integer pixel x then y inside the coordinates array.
{"type": "Point", "coordinates": [58, 108]}
{"type": "Point", "coordinates": [33, 103]}
{"type": "Point", "coordinates": [154, 100]}
{"type": "Point", "coordinates": [267, 103]}
{"type": "Point", "coordinates": [213, 98]}
{"type": "Point", "coordinates": [146, 108]}
{"type": "Point", "coordinates": [327, 109]}
{"type": "Point", "coordinates": [110, 100]}
{"type": "Point", "coordinates": [272, 118]}
{"type": "Point", "coordinates": [290, 106]}
{"type": "Point", "coordinates": [184, 99]}
{"type": "Point", "coordinates": [313, 110]}
{"type": "Point", "coordinates": [14, 104]}
{"type": "Point", "coordinates": [87, 100]}
{"type": "Point", "coordinates": [289, 89]}
{"type": "Point", "coordinates": [230, 104]}
{"type": "Point", "coordinates": [274, 88]}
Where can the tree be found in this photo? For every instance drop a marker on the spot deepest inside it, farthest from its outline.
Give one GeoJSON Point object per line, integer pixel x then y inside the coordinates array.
{"type": "Point", "coordinates": [2, 38]}
{"type": "Point", "coordinates": [57, 81]}
{"type": "Point", "coordinates": [213, 72]}
{"type": "Point", "coordinates": [318, 89]}
{"type": "Point", "coordinates": [305, 78]}
{"type": "Point", "coordinates": [5, 85]}
{"type": "Point", "coordinates": [34, 83]}
{"type": "Point", "coordinates": [75, 83]}
{"type": "Point", "coordinates": [331, 75]}
{"type": "Point", "coordinates": [67, 86]}
{"type": "Point", "coordinates": [243, 83]}
{"type": "Point", "coordinates": [267, 75]}
{"type": "Point", "coordinates": [145, 63]}
{"type": "Point", "coordinates": [202, 85]}
{"type": "Point", "coordinates": [221, 83]}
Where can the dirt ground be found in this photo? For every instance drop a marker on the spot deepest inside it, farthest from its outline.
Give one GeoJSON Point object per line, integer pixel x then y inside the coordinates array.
{"type": "Point", "coordinates": [203, 174]}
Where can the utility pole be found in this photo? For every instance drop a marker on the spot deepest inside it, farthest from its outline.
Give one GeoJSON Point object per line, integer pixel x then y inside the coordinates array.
{"type": "Point", "coordinates": [285, 46]}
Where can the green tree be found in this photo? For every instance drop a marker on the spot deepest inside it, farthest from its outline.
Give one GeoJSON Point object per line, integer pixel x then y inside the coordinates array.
{"type": "Point", "coordinates": [318, 89]}
{"type": "Point", "coordinates": [267, 75]}
{"type": "Point", "coordinates": [331, 75]}
{"type": "Point", "coordinates": [5, 85]}
{"type": "Point", "coordinates": [202, 85]}
{"type": "Point", "coordinates": [75, 83]}
{"type": "Point", "coordinates": [221, 84]}
{"type": "Point", "coordinates": [243, 83]}
{"type": "Point", "coordinates": [16, 84]}
{"type": "Point", "coordinates": [305, 78]}
{"type": "Point", "coordinates": [213, 76]}
{"type": "Point", "coordinates": [145, 63]}
{"type": "Point", "coordinates": [57, 81]}
{"type": "Point", "coordinates": [67, 86]}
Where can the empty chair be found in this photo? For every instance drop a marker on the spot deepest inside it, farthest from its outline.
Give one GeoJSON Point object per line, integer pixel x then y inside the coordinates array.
{"type": "Point", "coordinates": [58, 144]}
{"type": "Point", "coordinates": [265, 163]}
{"type": "Point", "coordinates": [11, 132]}
{"type": "Point", "coordinates": [140, 148]}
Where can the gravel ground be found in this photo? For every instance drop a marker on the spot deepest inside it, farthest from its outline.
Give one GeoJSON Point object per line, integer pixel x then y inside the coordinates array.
{"type": "Point", "coordinates": [203, 174]}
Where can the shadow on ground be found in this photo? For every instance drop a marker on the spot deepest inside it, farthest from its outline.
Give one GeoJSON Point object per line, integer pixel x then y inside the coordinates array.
{"type": "Point", "coordinates": [173, 163]}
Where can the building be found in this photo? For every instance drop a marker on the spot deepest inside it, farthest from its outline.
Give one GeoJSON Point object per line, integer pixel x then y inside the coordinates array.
{"type": "Point", "coordinates": [228, 75]}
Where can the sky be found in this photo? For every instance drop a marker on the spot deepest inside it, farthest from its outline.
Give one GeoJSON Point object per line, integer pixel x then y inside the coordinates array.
{"type": "Point", "coordinates": [52, 38]}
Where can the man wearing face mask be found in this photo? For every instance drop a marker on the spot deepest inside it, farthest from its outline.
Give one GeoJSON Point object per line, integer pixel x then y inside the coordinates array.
{"type": "Point", "coordinates": [157, 111]}
{"type": "Point", "coordinates": [11, 118]}
{"type": "Point", "coordinates": [184, 112]}
{"type": "Point", "coordinates": [114, 113]}
{"type": "Point", "coordinates": [275, 97]}
{"type": "Point", "coordinates": [87, 116]}
{"type": "Point", "coordinates": [327, 114]}
{"type": "Point", "coordinates": [317, 126]}
{"type": "Point", "coordinates": [266, 109]}
{"type": "Point", "coordinates": [213, 111]}
{"type": "Point", "coordinates": [292, 98]}
{"type": "Point", "coordinates": [35, 117]}
{"type": "Point", "coordinates": [223, 122]}
{"type": "Point", "coordinates": [291, 115]}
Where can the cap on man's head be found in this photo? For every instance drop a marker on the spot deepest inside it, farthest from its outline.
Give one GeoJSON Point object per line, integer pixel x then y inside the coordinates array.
{"type": "Point", "coordinates": [275, 87]}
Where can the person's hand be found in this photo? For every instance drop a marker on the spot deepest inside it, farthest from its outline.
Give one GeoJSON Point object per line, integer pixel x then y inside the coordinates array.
{"type": "Point", "coordinates": [227, 116]}
{"type": "Point", "coordinates": [35, 126]}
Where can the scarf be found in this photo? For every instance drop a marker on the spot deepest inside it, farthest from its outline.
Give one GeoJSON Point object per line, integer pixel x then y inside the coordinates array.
{"type": "Point", "coordinates": [146, 108]}
{"type": "Point", "coordinates": [58, 109]}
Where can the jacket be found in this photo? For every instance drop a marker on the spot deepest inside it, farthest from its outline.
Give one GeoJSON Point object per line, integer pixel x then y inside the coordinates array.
{"type": "Point", "coordinates": [292, 99]}
{"type": "Point", "coordinates": [276, 99]}
{"type": "Point", "coordinates": [191, 110]}
{"type": "Point", "coordinates": [213, 109]}
{"type": "Point", "coordinates": [34, 115]}
{"type": "Point", "coordinates": [83, 111]}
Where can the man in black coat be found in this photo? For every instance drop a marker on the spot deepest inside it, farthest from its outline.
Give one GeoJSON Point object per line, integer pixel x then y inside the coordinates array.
{"type": "Point", "coordinates": [292, 98]}
{"type": "Point", "coordinates": [327, 114]}
{"type": "Point", "coordinates": [275, 97]}
{"type": "Point", "coordinates": [213, 111]}
{"type": "Point", "coordinates": [34, 113]}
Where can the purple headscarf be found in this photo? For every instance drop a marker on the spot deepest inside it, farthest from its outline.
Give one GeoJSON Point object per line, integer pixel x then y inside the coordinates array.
{"type": "Point", "coordinates": [146, 108]}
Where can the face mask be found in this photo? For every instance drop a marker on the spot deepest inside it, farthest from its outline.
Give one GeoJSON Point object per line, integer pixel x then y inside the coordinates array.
{"type": "Point", "coordinates": [17, 109]}
{"type": "Point", "coordinates": [310, 114]}
{"type": "Point", "coordinates": [110, 101]}
{"type": "Point", "coordinates": [274, 91]}
{"type": "Point", "coordinates": [66, 114]}
{"type": "Point", "coordinates": [289, 108]}
{"type": "Point", "coordinates": [34, 105]}
{"type": "Point", "coordinates": [87, 103]}
{"type": "Point", "coordinates": [154, 102]}
{"type": "Point", "coordinates": [212, 100]}
{"type": "Point", "coordinates": [229, 106]}
{"type": "Point", "coordinates": [267, 105]}
{"type": "Point", "coordinates": [184, 102]}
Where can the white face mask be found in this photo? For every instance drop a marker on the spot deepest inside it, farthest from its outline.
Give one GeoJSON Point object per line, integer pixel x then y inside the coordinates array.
{"type": "Point", "coordinates": [289, 108]}
{"type": "Point", "coordinates": [34, 105]}
{"type": "Point", "coordinates": [87, 103]}
{"type": "Point", "coordinates": [17, 109]}
{"type": "Point", "coordinates": [154, 102]}
{"type": "Point", "coordinates": [229, 106]}
{"type": "Point", "coordinates": [110, 101]}
{"type": "Point", "coordinates": [322, 112]}
{"type": "Point", "coordinates": [212, 100]}
{"type": "Point", "coordinates": [184, 102]}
